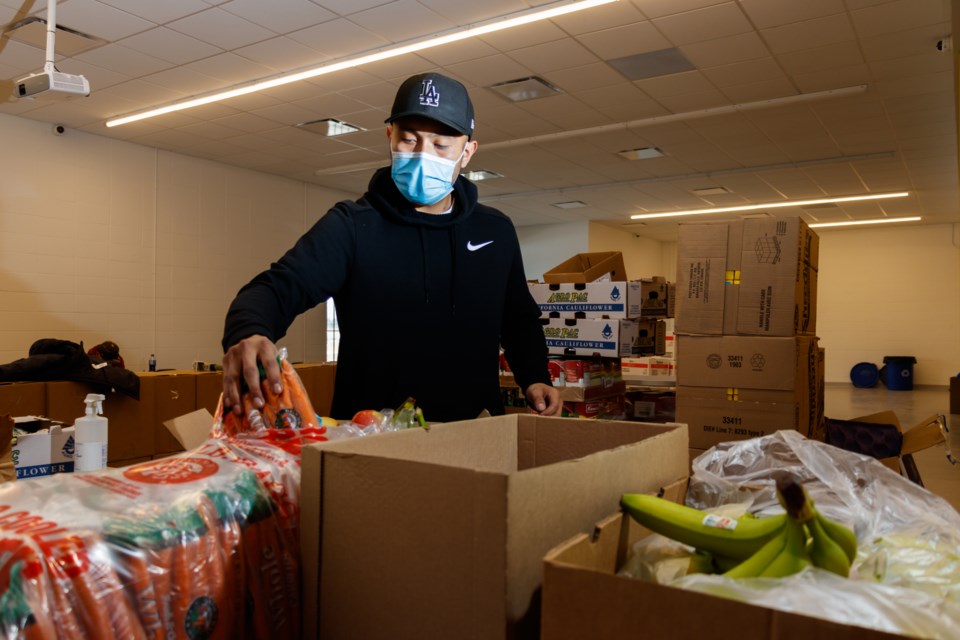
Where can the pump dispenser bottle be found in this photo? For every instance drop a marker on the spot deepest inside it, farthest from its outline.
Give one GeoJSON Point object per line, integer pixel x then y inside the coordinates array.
{"type": "Point", "coordinates": [90, 436]}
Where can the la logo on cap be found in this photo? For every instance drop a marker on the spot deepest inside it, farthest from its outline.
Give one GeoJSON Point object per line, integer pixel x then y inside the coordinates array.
{"type": "Point", "coordinates": [429, 96]}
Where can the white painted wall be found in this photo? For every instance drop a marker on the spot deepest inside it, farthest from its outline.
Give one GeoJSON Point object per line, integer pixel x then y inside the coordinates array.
{"type": "Point", "coordinates": [545, 246]}
{"type": "Point", "coordinates": [642, 257]}
{"type": "Point", "coordinates": [890, 291]}
{"type": "Point", "coordinates": [106, 240]}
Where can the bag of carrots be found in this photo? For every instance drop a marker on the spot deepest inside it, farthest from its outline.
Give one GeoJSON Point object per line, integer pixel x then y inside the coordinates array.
{"type": "Point", "coordinates": [204, 544]}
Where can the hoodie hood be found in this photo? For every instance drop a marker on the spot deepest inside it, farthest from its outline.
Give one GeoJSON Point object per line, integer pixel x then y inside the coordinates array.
{"type": "Point", "coordinates": [382, 194]}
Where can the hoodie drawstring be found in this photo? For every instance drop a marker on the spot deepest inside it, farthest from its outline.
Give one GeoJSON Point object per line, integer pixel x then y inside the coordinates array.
{"type": "Point", "coordinates": [453, 269]}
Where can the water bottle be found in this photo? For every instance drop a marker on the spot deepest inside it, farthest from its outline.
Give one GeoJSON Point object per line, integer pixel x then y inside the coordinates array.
{"type": "Point", "coordinates": [152, 363]}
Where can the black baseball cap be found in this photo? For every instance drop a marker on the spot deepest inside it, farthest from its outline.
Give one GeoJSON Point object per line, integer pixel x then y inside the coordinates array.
{"type": "Point", "coordinates": [434, 96]}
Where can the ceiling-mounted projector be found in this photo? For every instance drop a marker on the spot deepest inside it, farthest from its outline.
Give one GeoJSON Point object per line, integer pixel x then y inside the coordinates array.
{"type": "Point", "coordinates": [52, 84]}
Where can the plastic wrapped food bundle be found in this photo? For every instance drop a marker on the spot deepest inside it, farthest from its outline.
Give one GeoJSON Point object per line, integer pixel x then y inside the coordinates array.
{"type": "Point", "coordinates": [905, 577]}
{"type": "Point", "coordinates": [204, 544]}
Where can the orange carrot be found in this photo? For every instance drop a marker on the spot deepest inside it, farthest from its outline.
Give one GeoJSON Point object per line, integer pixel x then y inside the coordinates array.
{"type": "Point", "coordinates": [144, 595]}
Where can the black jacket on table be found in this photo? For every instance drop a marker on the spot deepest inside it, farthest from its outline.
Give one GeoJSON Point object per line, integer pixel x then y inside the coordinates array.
{"type": "Point", "coordinates": [423, 302]}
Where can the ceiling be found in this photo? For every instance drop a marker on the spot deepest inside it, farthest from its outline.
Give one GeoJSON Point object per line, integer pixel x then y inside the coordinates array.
{"type": "Point", "coordinates": [862, 99]}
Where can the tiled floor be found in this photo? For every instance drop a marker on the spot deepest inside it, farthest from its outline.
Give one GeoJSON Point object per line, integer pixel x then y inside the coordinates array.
{"type": "Point", "coordinates": [844, 401]}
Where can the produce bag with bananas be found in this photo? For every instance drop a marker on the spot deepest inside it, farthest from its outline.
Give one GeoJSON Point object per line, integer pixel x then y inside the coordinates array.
{"type": "Point", "coordinates": [798, 525]}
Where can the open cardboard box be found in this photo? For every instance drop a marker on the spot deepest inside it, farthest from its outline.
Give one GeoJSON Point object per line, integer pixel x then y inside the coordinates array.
{"type": "Point", "coordinates": [588, 267]}
{"type": "Point", "coordinates": [442, 533]}
{"type": "Point", "coordinates": [923, 435]}
{"type": "Point", "coordinates": [583, 597]}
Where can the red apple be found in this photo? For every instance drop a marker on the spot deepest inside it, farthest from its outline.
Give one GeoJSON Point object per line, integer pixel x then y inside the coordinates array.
{"type": "Point", "coordinates": [367, 417]}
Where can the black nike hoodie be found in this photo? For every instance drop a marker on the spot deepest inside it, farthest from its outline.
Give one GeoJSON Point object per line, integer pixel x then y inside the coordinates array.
{"type": "Point", "coordinates": [423, 302]}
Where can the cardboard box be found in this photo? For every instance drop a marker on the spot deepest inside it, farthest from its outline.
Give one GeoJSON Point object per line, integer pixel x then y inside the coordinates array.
{"type": "Point", "coordinates": [955, 395]}
{"type": "Point", "coordinates": [129, 421]}
{"type": "Point", "coordinates": [8, 471]}
{"type": "Point", "coordinates": [605, 266]}
{"type": "Point", "coordinates": [24, 399]}
{"type": "Point", "coordinates": [31, 455]}
{"type": "Point", "coordinates": [441, 533]}
{"type": "Point", "coordinates": [583, 597]}
{"type": "Point", "coordinates": [318, 380]}
{"type": "Point", "coordinates": [62, 449]}
{"type": "Point", "coordinates": [589, 337]}
{"type": "Point", "coordinates": [752, 277]}
{"type": "Point", "coordinates": [606, 408]}
{"type": "Point", "coordinates": [656, 370]}
{"type": "Point", "coordinates": [721, 413]}
{"type": "Point", "coordinates": [745, 362]}
{"type": "Point", "coordinates": [651, 337]}
{"type": "Point", "coordinates": [651, 405]}
{"type": "Point", "coordinates": [209, 389]}
{"type": "Point", "coordinates": [923, 435]}
{"type": "Point", "coordinates": [176, 395]}
{"type": "Point", "coordinates": [617, 299]}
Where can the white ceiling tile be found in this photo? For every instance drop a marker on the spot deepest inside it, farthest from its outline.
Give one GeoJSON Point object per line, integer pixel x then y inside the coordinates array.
{"type": "Point", "coordinates": [605, 16]}
{"type": "Point", "coordinates": [775, 13]}
{"type": "Point", "coordinates": [100, 20]}
{"type": "Point", "coordinates": [282, 54]}
{"type": "Point", "coordinates": [331, 105]}
{"type": "Point", "coordinates": [831, 56]}
{"type": "Point", "coordinates": [900, 15]}
{"type": "Point", "coordinates": [758, 91]}
{"type": "Point", "coordinates": [184, 80]}
{"type": "Point", "coordinates": [809, 34]}
{"type": "Point", "coordinates": [231, 68]}
{"type": "Point", "coordinates": [694, 101]}
{"type": "Point", "coordinates": [379, 96]}
{"type": "Point", "coordinates": [338, 38]}
{"type": "Point", "coordinates": [590, 76]}
{"type": "Point", "coordinates": [744, 72]}
{"type": "Point", "coordinates": [457, 52]}
{"type": "Point", "coordinates": [618, 42]}
{"type": "Point", "coordinates": [399, 68]}
{"type": "Point", "coordinates": [484, 72]}
{"type": "Point", "coordinates": [401, 20]}
{"type": "Point", "coordinates": [281, 16]}
{"type": "Point", "coordinates": [832, 78]}
{"type": "Point", "coordinates": [553, 56]}
{"type": "Point", "coordinates": [347, 7]}
{"type": "Point", "coordinates": [906, 43]}
{"type": "Point", "coordinates": [172, 46]}
{"type": "Point", "coordinates": [675, 84]}
{"type": "Point", "coordinates": [464, 12]}
{"type": "Point", "coordinates": [286, 113]}
{"type": "Point", "coordinates": [246, 122]}
{"type": "Point", "coordinates": [738, 48]}
{"type": "Point", "coordinates": [525, 36]}
{"type": "Point", "coordinates": [124, 60]}
{"type": "Point", "coordinates": [22, 57]}
{"type": "Point", "coordinates": [98, 77]}
{"type": "Point", "coordinates": [143, 93]}
{"type": "Point", "coordinates": [704, 24]}
{"type": "Point", "coordinates": [158, 12]}
{"type": "Point", "coordinates": [222, 29]}
{"type": "Point", "coordinates": [660, 8]}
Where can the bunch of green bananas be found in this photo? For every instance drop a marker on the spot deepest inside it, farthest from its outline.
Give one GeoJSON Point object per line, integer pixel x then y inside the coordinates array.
{"type": "Point", "coordinates": [773, 546]}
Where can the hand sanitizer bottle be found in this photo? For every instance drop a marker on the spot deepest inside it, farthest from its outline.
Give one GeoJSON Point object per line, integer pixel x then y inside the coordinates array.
{"type": "Point", "coordinates": [90, 436]}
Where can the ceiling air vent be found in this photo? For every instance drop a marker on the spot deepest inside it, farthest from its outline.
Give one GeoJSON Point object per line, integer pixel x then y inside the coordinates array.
{"type": "Point", "coordinates": [522, 89]}
{"type": "Point", "coordinates": [69, 42]}
{"type": "Point", "coordinates": [652, 64]}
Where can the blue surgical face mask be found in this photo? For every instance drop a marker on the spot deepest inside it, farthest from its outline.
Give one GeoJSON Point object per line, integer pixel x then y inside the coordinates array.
{"type": "Point", "coordinates": [423, 178]}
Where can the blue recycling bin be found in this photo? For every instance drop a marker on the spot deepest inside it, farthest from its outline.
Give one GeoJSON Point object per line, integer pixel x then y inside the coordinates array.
{"type": "Point", "coordinates": [897, 372]}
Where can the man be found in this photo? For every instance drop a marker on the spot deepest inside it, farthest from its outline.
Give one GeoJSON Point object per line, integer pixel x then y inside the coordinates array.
{"type": "Point", "coordinates": [427, 282]}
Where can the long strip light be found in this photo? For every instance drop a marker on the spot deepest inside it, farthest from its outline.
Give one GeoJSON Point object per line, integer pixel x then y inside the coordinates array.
{"type": "Point", "coordinates": [770, 205]}
{"type": "Point", "coordinates": [851, 223]}
{"type": "Point", "coordinates": [382, 54]}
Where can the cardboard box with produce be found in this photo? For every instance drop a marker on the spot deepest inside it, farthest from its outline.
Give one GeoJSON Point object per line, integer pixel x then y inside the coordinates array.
{"type": "Point", "coordinates": [590, 337]}
{"type": "Point", "coordinates": [774, 538]}
{"type": "Point", "coordinates": [619, 299]}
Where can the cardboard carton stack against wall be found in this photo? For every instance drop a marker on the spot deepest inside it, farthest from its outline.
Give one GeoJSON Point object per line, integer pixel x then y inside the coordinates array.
{"type": "Point", "coordinates": [595, 319]}
{"type": "Point", "coordinates": [748, 358]}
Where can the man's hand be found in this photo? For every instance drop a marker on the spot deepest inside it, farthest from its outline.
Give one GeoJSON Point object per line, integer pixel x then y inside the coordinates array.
{"type": "Point", "coordinates": [543, 399]}
{"type": "Point", "coordinates": [240, 363]}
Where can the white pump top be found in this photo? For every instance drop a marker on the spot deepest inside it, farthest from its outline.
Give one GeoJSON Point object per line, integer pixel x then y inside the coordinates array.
{"type": "Point", "coordinates": [94, 402]}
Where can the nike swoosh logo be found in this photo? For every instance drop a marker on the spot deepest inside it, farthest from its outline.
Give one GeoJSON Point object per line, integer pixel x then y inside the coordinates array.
{"type": "Point", "coordinates": [474, 247]}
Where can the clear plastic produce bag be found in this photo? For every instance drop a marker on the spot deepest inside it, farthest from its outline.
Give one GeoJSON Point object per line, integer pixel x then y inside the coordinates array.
{"type": "Point", "coordinates": [906, 576]}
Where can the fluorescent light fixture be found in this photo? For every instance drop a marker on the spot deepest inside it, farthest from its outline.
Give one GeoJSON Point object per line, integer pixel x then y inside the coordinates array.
{"type": "Point", "coordinates": [553, 11]}
{"type": "Point", "coordinates": [851, 223]}
{"type": "Point", "coordinates": [481, 174]}
{"type": "Point", "coordinates": [770, 205]}
{"type": "Point", "coordinates": [645, 153]}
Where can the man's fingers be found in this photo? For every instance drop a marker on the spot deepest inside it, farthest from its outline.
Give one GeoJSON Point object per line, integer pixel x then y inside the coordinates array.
{"type": "Point", "coordinates": [268, 358]}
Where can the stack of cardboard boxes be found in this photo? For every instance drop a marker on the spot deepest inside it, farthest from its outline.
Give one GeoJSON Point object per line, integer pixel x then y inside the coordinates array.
{"type": "Point", "coordinates": [594, 318]}
{"type": "Point", "coordinates": [748, 358]}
